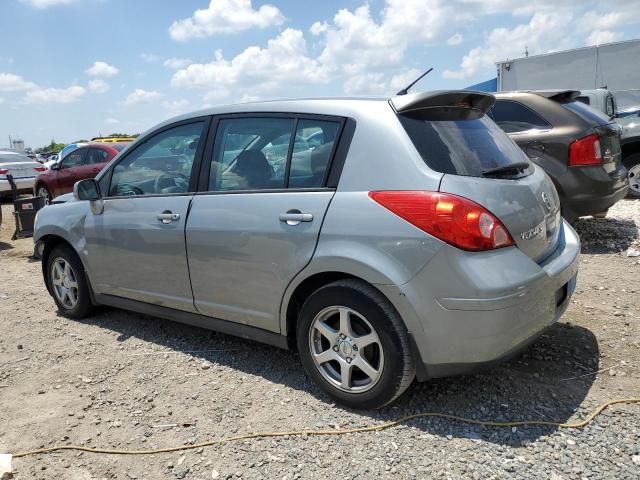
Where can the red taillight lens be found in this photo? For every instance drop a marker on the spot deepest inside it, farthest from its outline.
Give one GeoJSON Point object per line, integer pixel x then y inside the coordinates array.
{"type": "Point", "coordinates": [585, 151]}
{"type": "Point", "coordinates": [40, 169]}
{"type": "Point", "coordinates": [3, 171]}
{"type": "Point", "coordinates": [453, 219]}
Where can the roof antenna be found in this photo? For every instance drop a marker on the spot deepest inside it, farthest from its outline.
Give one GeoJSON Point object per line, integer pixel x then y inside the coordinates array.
{"type": "Point", "coordinates": [405, 90]}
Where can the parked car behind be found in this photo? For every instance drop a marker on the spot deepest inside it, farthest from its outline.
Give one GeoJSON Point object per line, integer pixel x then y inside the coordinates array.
{"type": "Point", "coordinates": [578, 146]}
{"type": "Point", "coordinates": [22, 168]}
{"type": "Point", "coordinates": [415, 240]}
{"type": "Point", "coordinates": [80, 163]}
{"type": "Point", "coordinates": [624, 107]}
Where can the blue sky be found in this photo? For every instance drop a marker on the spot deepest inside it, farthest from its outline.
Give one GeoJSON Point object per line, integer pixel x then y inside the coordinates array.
{"type": "Point", "coordinates": [72, 69]}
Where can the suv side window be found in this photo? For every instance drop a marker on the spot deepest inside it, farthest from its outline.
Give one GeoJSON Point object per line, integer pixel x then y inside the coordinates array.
{"type": "Point", "coordinates": [514, 117]}
{"type": "Point", "coordinates": [312, 150]}
{"type": "Point", "coordinates": [96, 155]}
{"type": "Point", "coordinates": [160, 165]}
{"type": "Point", "coordinates": [74, 159]}
{"type": "Point", "coordinates": [250, 153]}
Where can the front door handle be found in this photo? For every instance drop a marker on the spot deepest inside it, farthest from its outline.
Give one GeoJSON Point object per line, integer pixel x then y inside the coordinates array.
{"type": "Point", "coordinates": [167, 217]}
{"type": "Point", "coordinates": [294, 217]}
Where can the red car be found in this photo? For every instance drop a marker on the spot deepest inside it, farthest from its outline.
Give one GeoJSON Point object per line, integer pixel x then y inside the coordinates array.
{"type": "Point", "coordinates": [84, 162]}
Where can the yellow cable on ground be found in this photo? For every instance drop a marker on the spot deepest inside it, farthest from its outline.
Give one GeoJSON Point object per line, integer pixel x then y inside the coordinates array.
{"type": "Point", "coordinates": [373, 428]}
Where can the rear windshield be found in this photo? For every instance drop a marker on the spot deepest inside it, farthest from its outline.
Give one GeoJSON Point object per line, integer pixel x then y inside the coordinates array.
{"type": "Point", "coordinates": [462, 147]}
{"type": "Point", "coordinates": [590, 114]}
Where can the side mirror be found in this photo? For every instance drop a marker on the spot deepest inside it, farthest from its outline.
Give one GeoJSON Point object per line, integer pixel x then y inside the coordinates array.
{"type": "Point", "coordinates": [87, 189]}
{"type": "Point", "coordinates": [55, 166]}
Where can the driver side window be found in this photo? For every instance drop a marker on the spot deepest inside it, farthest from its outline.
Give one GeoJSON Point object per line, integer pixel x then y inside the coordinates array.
{"type": "Point", "coordinates": [74, 159]}
{"type": "Point", "coordinates": [161, 165]}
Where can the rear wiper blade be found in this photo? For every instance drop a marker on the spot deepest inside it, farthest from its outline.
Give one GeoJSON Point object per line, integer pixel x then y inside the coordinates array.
{"type": "Point", "coordinates": [513, 167]}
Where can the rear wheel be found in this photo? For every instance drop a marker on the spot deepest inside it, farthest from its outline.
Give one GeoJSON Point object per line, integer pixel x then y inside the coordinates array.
{"type": "Point", "coordinates": [68, 283]}
{"type": "Point", "coordinates": [354, 345]}
{"type": "Point", "coordinates": [43, 191]}
{"type": "Point", "coordinates": [632, 162]}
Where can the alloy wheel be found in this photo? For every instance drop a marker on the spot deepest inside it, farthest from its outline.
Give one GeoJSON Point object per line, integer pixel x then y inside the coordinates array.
{"type": "Point", "coordinates": [64, 283]}
{"type": "Point", "coordinates": [44, 193]}
{"type": "Point", "coordinates": [346, 349]}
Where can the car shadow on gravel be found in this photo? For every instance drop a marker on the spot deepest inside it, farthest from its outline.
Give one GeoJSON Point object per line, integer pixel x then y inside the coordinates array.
{"type": "Point", "coordinates": [549, 381]}
{"type": "Point", "coordinates": [605, 235]}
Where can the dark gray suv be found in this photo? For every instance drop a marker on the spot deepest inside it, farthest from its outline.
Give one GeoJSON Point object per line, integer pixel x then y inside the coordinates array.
{"type": "Point", "coordinates": [578, 146]}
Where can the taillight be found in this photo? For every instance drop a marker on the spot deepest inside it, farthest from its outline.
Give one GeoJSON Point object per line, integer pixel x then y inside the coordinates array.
{"type": "Point", "coordinates": [40, 169]}
{"type": "Point", "coordinates": [453, 219]}
{"type": "Point", "coordinates": [3, 171]}
{"type": "Point", "coordinates": [585, 151]}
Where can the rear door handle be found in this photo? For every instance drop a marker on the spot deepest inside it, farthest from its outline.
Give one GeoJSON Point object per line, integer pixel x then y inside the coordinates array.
{"type": "Point", "coordinates": [294, 217]}
{"type": "Point", "coordinates": [167, 217]}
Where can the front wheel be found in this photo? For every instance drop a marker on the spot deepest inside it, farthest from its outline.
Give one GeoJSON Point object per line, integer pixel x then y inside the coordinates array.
{"type": "Point", "coordinates": [632, 162]}
{"type": "Point", "coordinates": [67, 281]}
{"type": "Point", "coordinates": [354, 345]}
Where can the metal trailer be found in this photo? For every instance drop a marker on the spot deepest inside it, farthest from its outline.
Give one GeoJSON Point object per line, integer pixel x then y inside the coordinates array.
{"type": "Point", "coordinates": [614, 65]}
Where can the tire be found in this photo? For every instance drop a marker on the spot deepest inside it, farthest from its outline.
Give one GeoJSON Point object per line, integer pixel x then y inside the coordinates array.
{"type": "Point", "coordinates": [43, 191]}
{"type": "Point", "coordinates": [632, 162]}
{"type": "Point", "coordinates": [73, 280]}
{"type": "Point", "coordinates": [370, 318]}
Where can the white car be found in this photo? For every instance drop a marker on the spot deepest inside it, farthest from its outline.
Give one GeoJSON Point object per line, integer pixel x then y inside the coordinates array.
{"type": "Point", "coordinates": [22, 168]}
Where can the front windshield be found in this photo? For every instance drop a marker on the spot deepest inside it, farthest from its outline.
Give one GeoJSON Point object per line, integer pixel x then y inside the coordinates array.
{"type": "Point", "coordinates": [627, 102]}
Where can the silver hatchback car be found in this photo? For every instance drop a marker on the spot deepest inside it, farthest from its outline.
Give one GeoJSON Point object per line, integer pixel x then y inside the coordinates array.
{"type": "Point", "coordinates": [383, 239]}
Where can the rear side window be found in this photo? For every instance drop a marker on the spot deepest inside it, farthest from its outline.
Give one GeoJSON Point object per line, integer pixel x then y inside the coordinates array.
{"type": "Point", "coordinates": [312, 149]}
{"type": "Point", "coordinates": [587, 113]}
{"type": "Point", "coordinates": [96, 155]}
{"type": "Point", "coordinates": [463, 147]}
{"type": "Point", "coordinates": [514, 117]}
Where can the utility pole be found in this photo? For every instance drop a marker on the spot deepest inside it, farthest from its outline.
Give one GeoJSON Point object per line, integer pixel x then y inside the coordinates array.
{"type": "Point", "coordinates": [526, 51]}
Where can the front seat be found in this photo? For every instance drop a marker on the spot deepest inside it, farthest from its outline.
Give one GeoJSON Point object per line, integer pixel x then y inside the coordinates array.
{"type": "Point", "coordinates": [254, 167]}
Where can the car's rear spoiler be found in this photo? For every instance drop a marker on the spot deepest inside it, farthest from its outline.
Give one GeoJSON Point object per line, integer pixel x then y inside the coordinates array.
{"type": "Point", "coordinates": [559, 96]}
{"type": "Point", "coordinates": [444, 104]}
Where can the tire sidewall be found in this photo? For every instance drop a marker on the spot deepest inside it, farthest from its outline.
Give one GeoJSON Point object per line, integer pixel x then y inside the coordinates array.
{"type": "Point", "coordinates": [385, 389]}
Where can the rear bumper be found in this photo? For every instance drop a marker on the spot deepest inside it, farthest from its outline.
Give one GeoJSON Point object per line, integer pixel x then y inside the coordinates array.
{"type": "Point", "coordinates": [23, 184]}
{"type": "Point", "coordinates": [466, 311]}
{"type": "Point", "coordinates": [589, 190]}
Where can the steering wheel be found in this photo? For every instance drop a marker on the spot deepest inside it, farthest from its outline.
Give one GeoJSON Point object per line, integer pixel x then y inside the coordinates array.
{"type": "Point", "coordinates": [172, 176]}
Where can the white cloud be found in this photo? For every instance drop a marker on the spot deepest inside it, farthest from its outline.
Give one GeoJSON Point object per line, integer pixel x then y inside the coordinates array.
{"type": "Point", "coordinates": [355, 41]}
{"type": "Point", "coordinates": [177, 63]}
{"type": "Point", "coordinates": [225, 16]}
{"type": "Point", "coordinates": [55, 95]}
{"type": "Point", "coordinates": [42, 4]}
{"type": "Point", "coordinates": [141, 96]}
{"type": "Point", "coordinates": [455, 39]}
{"type": "Point", "coordinates": [402, 80]}
{"type": "Point", "coordinates": [176, 104]}
{"type": "Point", "coordinates": [246, 98]}
{"type": "Point", "coordinates": [13, 83]}
{"type": "Point", "coordinates": [150, 57]}
{"type": "Point", "coordinates": [598, 37]}
{"type": "Point", "coordinates": [98, 85]}
{"type": "Point", "coordinates": [365, 84]}
{"type": "Point", "coordinates": [545, 32]}
{"type": "Point", "coordinates": [111, 121]}
{"type": "Point", "coordinates": [101, 69]}
{"type": "Point", "coordinates": [284, 60]}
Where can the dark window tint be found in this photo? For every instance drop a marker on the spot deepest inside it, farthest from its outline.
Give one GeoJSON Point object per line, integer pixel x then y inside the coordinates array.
{"type": "Point", "coordinates": [591, 115]}
{"type": "Point", "coordinates": [160, 165]}
{"type": "Point", "coordinates": [314, 144]}
{"type": "Point", "coordinates": [250, 153]}
{"type": "Point", "coordinates": [96, 155]}
{"type": "Point", "coordinates": [464, 147]}
{"type": "Point", "coordinates": [585, 100]}
{"type": "Point", "coordinates": [515, 117]}
{"type": "Point", "coordinates": [75, 158]}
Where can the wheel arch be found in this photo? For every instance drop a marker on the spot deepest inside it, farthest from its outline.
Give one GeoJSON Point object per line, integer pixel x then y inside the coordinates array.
{"type": "Point", "coordinates": [630, 147]}
{"type": "Point", "coordinates": [50, 241]}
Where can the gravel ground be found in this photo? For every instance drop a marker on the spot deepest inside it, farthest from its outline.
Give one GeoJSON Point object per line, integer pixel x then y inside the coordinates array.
{"type": "Point", "coordinates": [121, 380]}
